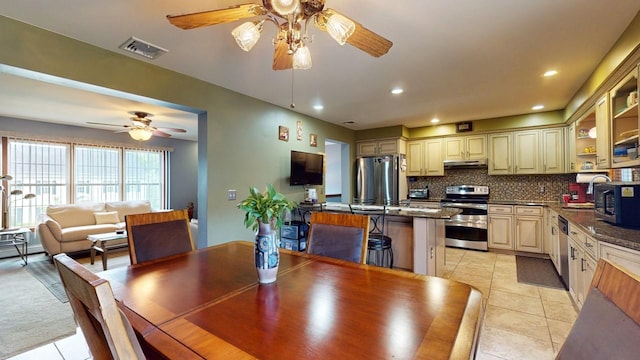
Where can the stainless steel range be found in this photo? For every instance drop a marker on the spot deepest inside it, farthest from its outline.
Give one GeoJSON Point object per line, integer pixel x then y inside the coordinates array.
{"type": "Point", "coordinates": [467, 230]}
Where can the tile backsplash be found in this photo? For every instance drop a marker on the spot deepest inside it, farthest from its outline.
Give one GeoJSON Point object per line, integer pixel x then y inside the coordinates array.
{"type": "Point", "coordinates": [501, 187]}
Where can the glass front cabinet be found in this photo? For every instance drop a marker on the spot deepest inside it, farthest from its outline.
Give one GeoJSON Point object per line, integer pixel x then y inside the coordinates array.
{"type": "Point", "coordinates": [624, 122]}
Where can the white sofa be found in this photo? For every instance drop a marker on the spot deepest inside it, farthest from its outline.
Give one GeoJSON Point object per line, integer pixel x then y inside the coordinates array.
{"type": "Point", "coordinates": [65, 228]}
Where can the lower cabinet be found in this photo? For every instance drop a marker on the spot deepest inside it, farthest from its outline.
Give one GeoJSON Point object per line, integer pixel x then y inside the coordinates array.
{"type": "Point", "coordinates": [529, 225]}
{"type": "Point", "coordinates": [627, 258]}
{"type": "Point", "coordinates": [582, 265]}
{"type": "Point", "coordinates": [500, 232]}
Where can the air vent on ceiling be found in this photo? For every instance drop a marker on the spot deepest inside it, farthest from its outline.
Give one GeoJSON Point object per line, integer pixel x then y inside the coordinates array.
{"type": "Point", "coordinates": [142, 48]}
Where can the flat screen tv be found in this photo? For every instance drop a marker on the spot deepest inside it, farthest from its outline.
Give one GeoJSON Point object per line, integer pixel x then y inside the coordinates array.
{"type": "Point", "coordinates": [306, 168]}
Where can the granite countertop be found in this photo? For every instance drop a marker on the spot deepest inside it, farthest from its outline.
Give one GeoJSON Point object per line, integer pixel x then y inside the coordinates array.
{"type": "Point", "coordinates": [425, 212]}
{"type": "Point", "coordinates": [600, 230]}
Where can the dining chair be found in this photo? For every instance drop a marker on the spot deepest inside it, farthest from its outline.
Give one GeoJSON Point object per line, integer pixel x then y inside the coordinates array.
{"type": "Point", "coordinates": [157, 235]}
{"type": "Point", "coordinates": [608, 325]}
{"type": "Point", "coordinates": [339, 235]}
{"type": "Point", "coordinates": [106, 329]}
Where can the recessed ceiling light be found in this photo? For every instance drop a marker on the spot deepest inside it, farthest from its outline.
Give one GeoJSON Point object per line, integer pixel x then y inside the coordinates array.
{"type": "Point", "coordinates": [397, 91]}
{"type": "Point", "coordinates": [550, 73]}
{"type": "Point", "coordinates": [537, 107]}
{"type": "Point", "coordinates": [318, 107]}
{"type": "Point", "coordinates": [435, 120]}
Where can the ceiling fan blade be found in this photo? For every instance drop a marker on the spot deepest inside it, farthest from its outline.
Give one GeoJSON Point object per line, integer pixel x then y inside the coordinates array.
{"type": "Point", "coordinates": [172, 129]}
{"type": "Point", "coordinates": [122, 131]}
{"type": "Point", "coordinates": [282, 60]}
{"type": "Point", "coordinates": [161, 133]}
{"type": "Point", "coordinates": [362, 38]}
{"type": "Point", "coordinates": [103, 124]}
{"type": "Point", "coordinates": [214, 17]}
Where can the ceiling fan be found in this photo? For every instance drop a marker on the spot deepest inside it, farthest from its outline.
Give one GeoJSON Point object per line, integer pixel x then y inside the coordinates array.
{"type": "Point", "coordinates": [289, 17]}
{"type": "Point", "coordinates": [141, 129]}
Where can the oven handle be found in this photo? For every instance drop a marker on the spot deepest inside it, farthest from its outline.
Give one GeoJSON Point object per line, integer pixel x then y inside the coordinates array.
{"type": "Point", "coordinates": [469, 224]}
{"type": "Point", "coordinates": [466, 206]}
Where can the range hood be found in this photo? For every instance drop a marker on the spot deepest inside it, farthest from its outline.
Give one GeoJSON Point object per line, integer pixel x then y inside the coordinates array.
{"type": "Point", "coordinates": [465, 163]}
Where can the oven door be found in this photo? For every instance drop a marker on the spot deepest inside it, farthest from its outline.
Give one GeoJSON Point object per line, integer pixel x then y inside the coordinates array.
{"type": "Point", "coordinates": [467, 230]}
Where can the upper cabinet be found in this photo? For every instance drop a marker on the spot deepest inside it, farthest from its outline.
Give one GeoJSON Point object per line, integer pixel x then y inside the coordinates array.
{"type": "Point", "coordinates": [603, 149]}
{"type": "Point", "coordinates": [472, 147]}
{"type": "Point", "coordinates": [380, 147]}
{"type": "Point", "coordinates": [526, 152]}
{"type": "Point", "coordinates": [500, 154]}
{"type": "Point", "coordinates": [582, 143]}
{"type": "Point", "coordinates": [552, 150]}
{"type": "Point", "coordinates": [424, 158]}
{"type": "Point", "coordinates": [624, 121]}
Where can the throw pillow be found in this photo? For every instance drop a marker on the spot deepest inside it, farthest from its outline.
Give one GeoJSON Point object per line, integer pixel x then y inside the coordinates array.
{"type": "Point", "coordinates": [109, 217]}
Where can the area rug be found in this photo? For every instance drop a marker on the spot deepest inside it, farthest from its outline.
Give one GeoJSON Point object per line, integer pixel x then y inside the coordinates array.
{"type": "Point", "coordinates": [537, 271]}
{"type": "Point", "coordinates": [46, 272]}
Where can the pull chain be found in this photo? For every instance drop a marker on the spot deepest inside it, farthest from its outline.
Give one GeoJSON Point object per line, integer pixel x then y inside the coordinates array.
{"type": "Point", "coordinates": [292, 105]}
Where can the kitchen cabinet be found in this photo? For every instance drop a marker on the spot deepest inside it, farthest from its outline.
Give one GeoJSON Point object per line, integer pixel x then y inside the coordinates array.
{"type": "Point", "coordinates": [472, 147]}
{"type": "Point", "coordinates": [500, 232]}
{"type": "Point", "coordinates": [500, 154]}
{"type": "Point", "coordinates": [553, 234]}
{"type": "Point", "coordinates": [582, 263]}
{"type": "Point", "coordinates": [571, 163]}
{"type": "Point", "coordinates": [627, 258]}
{"type": "Point", "coordinates": [424, 158]}
{"type": "Point", "coordinates": [583, 149]}
{"type": "Point", "coordinates": [528, 232]}
{"type": "Point", "coordinates": [379, 147]}
{"type": "Point", "coordinates": [603, 150]}
{"type": "Point", "coordinates": [624, 122]}
{"type": "Point", "coordinates": [526, 152]}
{"type": "Point", "coordinates": [552, 150]}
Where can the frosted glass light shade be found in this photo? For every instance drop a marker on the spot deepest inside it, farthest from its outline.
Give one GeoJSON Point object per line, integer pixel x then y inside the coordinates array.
{"type": "Point", "coordinates": [302, 58]}
{"type": "Point", "coordinates": [285, 7]}
{"type": "Point", "coordinates": [140, 134]}
{"type": "Point", "coordinates": [592, 133]}
{"type": "Point", "coordinates": [247, 35]}
{"type": "Point", "coordinates": [340, 28]}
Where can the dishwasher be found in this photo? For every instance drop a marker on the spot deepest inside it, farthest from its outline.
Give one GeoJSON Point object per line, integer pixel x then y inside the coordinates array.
{"type": "Point", "coordinates": [563, 226]}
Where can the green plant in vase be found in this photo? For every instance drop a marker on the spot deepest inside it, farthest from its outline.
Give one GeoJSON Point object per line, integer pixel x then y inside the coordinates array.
{"type": "Point", "coordinates": [264, 213]}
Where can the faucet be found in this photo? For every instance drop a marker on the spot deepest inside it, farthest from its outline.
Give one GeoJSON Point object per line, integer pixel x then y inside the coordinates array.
{"type": "Point", "coordinates": [590, 188]}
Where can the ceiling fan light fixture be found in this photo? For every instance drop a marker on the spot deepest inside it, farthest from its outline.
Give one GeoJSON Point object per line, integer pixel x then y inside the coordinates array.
{"type": "Point", "coordinates": [340, 28]}
{"type": "Point", "coordinates": [302, 58]}
{"type": "Point", "coordinates": [141, 134]}
{"type": "Point", "coordinates": [247, 34]}
{"type": "Point", "coordinates": [285, 7]}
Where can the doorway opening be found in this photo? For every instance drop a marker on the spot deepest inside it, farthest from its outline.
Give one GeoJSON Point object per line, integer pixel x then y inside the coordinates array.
{"type": "Point", "coordinates": [338, 175]}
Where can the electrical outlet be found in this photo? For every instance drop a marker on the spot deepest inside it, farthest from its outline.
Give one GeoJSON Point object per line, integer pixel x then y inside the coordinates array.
{"type": "Point", "coordinates": [541, 189]}
{"type": "Point", "coordinates": [231, 194]}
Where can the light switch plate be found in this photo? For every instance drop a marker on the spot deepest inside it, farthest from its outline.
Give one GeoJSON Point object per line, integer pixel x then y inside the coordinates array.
{"type": "Point", "coordinates": [231, 194]}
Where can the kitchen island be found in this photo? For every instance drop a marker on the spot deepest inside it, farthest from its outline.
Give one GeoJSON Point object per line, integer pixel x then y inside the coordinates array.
{"type": "Point", "coordinates": [418, 233]}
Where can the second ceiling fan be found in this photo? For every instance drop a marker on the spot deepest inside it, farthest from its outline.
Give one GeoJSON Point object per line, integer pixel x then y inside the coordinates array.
{"type": "Point", "coordinates": [291, 17]}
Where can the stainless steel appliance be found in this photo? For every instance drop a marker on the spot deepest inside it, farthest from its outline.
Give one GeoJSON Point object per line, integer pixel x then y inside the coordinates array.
{"type": "Point", "coordinates": [618, 203]}
{"type": "Point", "coordinates": [377, 180]}
{"type": "Point", "coordinates": [467, 230]}
{"type": "Point", "coordinates": [419, 194]}
{"type": "Point", "coordinates": [563, 227]}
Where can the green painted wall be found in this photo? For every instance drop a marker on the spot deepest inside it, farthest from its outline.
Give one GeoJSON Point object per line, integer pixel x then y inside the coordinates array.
{"type": "Point", "coordinates": [239, 146]}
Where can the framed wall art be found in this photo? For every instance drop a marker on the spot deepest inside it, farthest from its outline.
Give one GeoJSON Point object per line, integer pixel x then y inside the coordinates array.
{"type": "Point", "coordinates": [313, 140]}
{"type": "Point", "coordinates": [299, 130]}
{"type": "Point", "coordinates": [283, 133]}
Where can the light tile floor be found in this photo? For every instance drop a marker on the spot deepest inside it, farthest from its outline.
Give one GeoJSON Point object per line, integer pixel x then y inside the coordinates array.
{"type": "Point", "coordinates": [521, 321]}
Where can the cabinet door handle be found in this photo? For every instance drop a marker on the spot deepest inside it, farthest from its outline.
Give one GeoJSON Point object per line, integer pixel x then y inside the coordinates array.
{"type": "Point", "coordinates": [582, 264]}
{"type": "Point", "coordinates": [573, 255]}
{"type": "Point", "coordinates": [431, 253]}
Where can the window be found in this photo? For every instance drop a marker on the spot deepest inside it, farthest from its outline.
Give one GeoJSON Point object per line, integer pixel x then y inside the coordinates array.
{"type": "Point", "coordinates": [40, 168]}
{"type": "Point", "coordinates": [97, 174]}
{"type": "Point", "coordinates": [144, 176]}
{"type": "Point", "coordinates": [100, 174]}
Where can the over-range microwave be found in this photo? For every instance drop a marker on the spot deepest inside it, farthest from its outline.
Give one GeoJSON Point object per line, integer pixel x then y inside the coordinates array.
{"type": "Point", "coordinates": [618, 203]}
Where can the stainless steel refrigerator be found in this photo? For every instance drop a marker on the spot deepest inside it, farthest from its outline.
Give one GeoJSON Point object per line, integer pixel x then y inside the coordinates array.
{"type": "Point", "coordinates": [378, 180]}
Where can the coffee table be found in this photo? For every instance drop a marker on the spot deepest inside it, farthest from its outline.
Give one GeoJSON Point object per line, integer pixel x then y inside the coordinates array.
{"type": "Point", "coordinates": [16, 237]}
{"type": "Point", "coordinates": [104, 242]}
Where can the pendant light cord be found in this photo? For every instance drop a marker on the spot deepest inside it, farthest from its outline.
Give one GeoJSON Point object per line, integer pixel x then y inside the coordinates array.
{"type": "Point", "coordinates": [292, 105]}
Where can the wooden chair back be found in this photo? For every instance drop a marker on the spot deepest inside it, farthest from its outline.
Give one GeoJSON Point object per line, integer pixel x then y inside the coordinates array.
{"type": "Point", "coordinates": [608, 326]}
{"type": "Point", "coordinates": [157, 235]}
{"type": "Point", "coordinates": [339, 235]}
{"type": "Point", "coordinates": [107, 331]}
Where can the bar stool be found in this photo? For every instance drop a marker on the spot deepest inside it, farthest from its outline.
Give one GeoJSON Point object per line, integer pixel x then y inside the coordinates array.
{"type": "Point", "coordinates": [379, 251]}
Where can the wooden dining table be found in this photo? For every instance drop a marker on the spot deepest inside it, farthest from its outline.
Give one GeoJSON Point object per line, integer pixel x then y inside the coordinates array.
{"type": "Point", "coordinates": [208, 304]}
